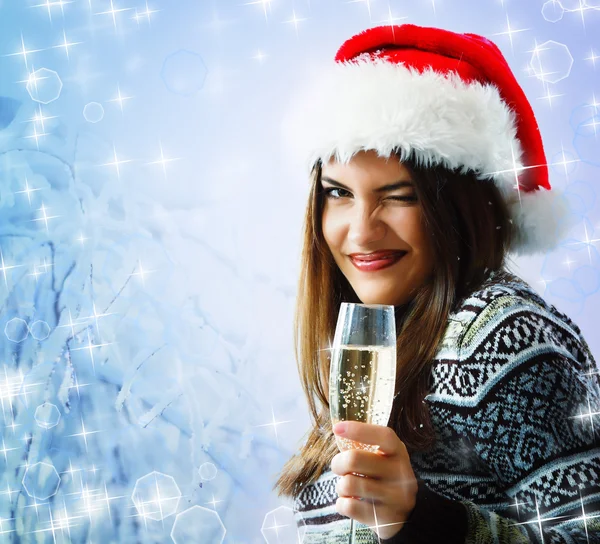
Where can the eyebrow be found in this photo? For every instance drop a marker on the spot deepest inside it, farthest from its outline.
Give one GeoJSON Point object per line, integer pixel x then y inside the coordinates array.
{"type": "Point", "coordinates": [390, 187]}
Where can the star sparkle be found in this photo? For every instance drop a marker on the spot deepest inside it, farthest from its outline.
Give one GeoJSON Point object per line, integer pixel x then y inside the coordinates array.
{"type": "Point", "coordinates": [264, 3]}
{"type": "Point", "coordinates": [24, 52]}
{"type": "Point", "coordinates": [91, 347]}
{"type": "Point", "coordinates": [49, 4]}
{"type": "Point", "coordinates": [27, 189]}
{"type": "Point", "coordinates": [295, 20]}
{"type": "Point", "coordinates": [84, 433]}
{"type": "Point", "coordinates": [164, 160]}
{"type": "Point", "coordinates": [141, 272]}
{"type": "Point", "coordinates": [4, 268]}
{"type": "Point", "coordinates": [510, 32]}
{"type": "Point", "coordinates": [274, 423]}
{"type": "Point", "coordinates": [116, 162]}
{"type": "Point", "coordinates": [113, 12]}
{"type": "Point", "coordinates": [144, 14]}
{"type": "Point", "coordinates": [44, 217]}
{"type": "Point", "coordinates": [120, 98]}
{"type": "Point", "coordinates": [66, 44]}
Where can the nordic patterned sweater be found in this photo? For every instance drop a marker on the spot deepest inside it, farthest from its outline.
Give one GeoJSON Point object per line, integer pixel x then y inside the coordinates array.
{"type": "Point", "coordinates": [516, 460]}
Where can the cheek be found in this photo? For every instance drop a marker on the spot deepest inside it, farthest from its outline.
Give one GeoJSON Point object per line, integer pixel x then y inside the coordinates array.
{"type": "Point", "coordinates": [331, 231]}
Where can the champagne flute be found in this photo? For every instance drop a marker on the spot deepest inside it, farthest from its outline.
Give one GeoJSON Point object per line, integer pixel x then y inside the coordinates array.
{"type": "Point", "coordinates": [362, 374]}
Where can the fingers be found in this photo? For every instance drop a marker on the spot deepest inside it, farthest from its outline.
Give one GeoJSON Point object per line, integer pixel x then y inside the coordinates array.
{"type": "Point", "coordinates": [366, 433]}
{"type": "Point", "coordinates": [351, 486]}
{"type": "Point", "coordinates": [362, 462]}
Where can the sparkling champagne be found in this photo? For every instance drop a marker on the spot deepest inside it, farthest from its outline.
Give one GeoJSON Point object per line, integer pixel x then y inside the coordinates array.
{"type": "Point", "coordinates": [362, 387]}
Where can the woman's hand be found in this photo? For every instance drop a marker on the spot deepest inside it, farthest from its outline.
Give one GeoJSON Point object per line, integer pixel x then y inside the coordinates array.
{"type": "Point", "coordinates": [389, 488]}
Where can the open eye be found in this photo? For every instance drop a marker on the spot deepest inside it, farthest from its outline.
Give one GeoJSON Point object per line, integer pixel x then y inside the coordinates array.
{"type": "Point", "coordinates": [329, 192]}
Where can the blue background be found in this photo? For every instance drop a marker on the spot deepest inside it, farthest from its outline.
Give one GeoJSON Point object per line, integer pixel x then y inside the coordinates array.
{"type": "Point", "coordinates": [151, 302]}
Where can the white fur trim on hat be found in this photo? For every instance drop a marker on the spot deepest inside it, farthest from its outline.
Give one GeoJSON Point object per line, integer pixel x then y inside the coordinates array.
{"type": "Point", "coordinates": [372, 104]}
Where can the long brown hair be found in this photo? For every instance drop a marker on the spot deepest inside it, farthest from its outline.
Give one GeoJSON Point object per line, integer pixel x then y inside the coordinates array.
{"type": "Point", "coordinates": [470, 231]}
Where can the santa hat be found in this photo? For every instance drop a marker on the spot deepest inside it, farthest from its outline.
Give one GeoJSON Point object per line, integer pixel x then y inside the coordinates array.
{"type": "Point", "coordinates": [439, 98]}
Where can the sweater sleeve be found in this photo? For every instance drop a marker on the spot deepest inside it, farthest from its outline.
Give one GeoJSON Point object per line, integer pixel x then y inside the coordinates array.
{"type": "Point", "coordinates": [533, 419]}
{"type": "Point", "coordinates": [535, 423]}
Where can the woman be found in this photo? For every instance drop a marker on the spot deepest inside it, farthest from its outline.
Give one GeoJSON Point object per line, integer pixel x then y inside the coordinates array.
{"type": "Point", "coordinates": [427, 163]}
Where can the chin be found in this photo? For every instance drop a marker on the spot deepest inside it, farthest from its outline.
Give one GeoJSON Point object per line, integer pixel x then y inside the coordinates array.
{"type": "Point", "coordinates": [378, 299]}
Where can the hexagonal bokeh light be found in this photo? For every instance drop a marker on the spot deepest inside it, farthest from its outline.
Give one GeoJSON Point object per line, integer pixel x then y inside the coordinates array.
{"type": "Point", "coordinates": [16, 330]}
{"type": "Point", "coordinates": [41, 481]}
{"type": "Point", "coordinates": [553, 11]}
{"type": "Point", "coordinates": [551, 61]}
{"type": "Point", "coordinates": [39, 329]}
{"type": "Point", "coordinates": [156, 496]}
{"type": "Point", "coordinates": [93, 112]}
{"type": "Point", "coordinates": [207, 471]}
{"type": "Point", "coordinates": [44, 86]}
{"type": "Point", "coordinates": [184, 72]}
{"type": "Point", "coordinates": [280, 527]}
{"type": "Point", "coordinates": [198, 524]}
{"type": "Point", "coordinates": [47, 415]}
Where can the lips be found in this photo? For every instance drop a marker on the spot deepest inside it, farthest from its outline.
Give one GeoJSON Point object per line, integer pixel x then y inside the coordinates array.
{"type": "Point", "coordinates": [370, 263]}
{"type": "Point", "coordinates": [377, 255]}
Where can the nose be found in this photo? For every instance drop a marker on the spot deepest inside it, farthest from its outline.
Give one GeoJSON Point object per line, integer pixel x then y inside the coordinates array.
{"type": "Point", "coordinates": [365, 227]}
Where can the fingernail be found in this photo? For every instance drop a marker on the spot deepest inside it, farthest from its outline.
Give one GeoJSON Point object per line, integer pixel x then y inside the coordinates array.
{"type": "Point", "coordinates": [340, 428]}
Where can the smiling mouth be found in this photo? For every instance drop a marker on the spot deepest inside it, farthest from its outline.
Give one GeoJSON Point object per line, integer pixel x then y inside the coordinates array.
{"type": "Point", "coordinates": [377, 264]}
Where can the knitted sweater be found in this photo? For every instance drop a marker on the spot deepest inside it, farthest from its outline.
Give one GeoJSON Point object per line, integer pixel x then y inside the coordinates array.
{"type": "Point", "coordinates": [516, 459]}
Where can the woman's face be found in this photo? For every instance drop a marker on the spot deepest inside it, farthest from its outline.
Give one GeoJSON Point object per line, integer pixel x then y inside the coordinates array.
{"type": "Point", "coordinates": [370, 206]}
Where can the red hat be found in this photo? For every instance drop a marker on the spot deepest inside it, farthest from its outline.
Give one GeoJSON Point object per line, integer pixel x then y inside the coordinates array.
{"type": "Point", "coordinates": [440, 98]}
